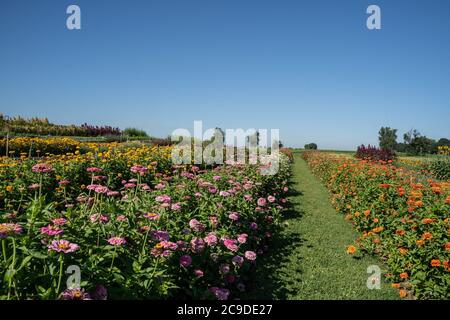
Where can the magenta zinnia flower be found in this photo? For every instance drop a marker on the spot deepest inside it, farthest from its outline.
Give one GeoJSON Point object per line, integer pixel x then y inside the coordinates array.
{"type": "Point", "coordinates": [63, 246]}
{"type": "Point", "coordinates": [237, 260]}
{"type": "Point", "coordinates": [185, 260]}
{"type": "Point", "coordinates": [159, 235]}
{"type": "Point", "coordinates": [230, 244]}
{"type": "Point", "coordinates": [74, 294]}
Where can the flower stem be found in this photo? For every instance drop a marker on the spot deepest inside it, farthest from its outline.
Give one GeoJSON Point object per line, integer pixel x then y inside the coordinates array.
{"type": "Point", "coordinates": [112, 261]}
{"type": "Point", "coordinates": [12, 268]}
{"type": "Point", "coordinates": [61, 263]}
{"type": "Point", "coordinates": [4, 250]}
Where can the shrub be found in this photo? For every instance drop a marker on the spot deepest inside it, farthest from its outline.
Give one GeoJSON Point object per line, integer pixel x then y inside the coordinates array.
{"type": "Point", "coordinates": [373, 153]}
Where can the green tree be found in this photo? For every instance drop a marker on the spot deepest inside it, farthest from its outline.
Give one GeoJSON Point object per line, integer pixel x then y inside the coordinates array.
{"type": "Point", "coordinates": [311, 146]}
{"type": "Point", "coordinates": [387, 138]}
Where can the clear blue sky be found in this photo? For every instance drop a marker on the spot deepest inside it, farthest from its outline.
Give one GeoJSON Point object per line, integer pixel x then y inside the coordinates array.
{"type": "Point", "coordinates": [310, 68]}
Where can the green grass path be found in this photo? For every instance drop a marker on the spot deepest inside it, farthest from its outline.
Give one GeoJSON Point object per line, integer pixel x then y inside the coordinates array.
{"type": "Point", "coordinates": [309, 259]}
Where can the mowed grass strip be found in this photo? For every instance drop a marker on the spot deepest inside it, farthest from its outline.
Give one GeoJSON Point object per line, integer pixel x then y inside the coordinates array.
{"type": "Point", "coordinates": [309, 259]}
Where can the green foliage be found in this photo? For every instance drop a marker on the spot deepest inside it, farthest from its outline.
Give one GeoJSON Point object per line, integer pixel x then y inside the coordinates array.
{"type": "Point", "coordinates": [311, 146]}
{"type": "Point", "coordinates": [387, 138]}
{"type": "Point", "coordinates": [134, 132]}
{"type": "Point", "coordinates": [440, 168]}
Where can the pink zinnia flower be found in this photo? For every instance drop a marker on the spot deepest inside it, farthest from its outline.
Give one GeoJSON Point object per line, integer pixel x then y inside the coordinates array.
{"type": "Point", "coordinates": [63, 182]}
{"type": "Point", "coordinates": [250, 255]}
{"type": "Point", "coordinates": [211, 239]}
{"type": "Point", "coordinates": [224, 193]}
{"type": "Point", "coordinates": [212, 190]}
{"type": "Point", "coordinates": [93, 169]}
{"type": "Point", "coordinates": [197, 244]}
{"type": "Point", "coordinates": [217, 178]}
{"type": "Point", "coordinates": [214, 220]}
{"type": "Point", "coordinates": [59, 221]}
{"type": "Point", "coordinates": [51, 230]}
{"type": "Point", "coordinates": [113, 193]}
{"type": "Point", "coordinates": [175, 207]}
{"type": "Point", "coordinates": [163, 198]}
{"type": "Point", "coordinates": [248, 197]}
{"type": "Point", "coordinates": [139, 169]}
{"type": "Point", "coordinates": [198, 273]}
{"type": "Point", "coordinates": [185, 260]}
{"type": "Point", "coordinates": [42, 168]}
{"type": "Point", "coordinates": [117, 241]}
{"type": "Point", "coordinates": [230, 244]}
{"type": "Point", "coordinates": [121, 218]}
{"type": "Point", "coordinates": [271, 199]}
{"type": "Point", "coordinates": [242, 238]}
{"type": "Point", "coordinates": [63, 246]}
{"type": "Point", "coordinates": [9, 229]}
{"type": "Point", "coordinates": [160, 186]}
{"type": "Point", "coordinates": [196, 225]}
{"type": "Point", "coordinates": [234, 216]}
{"type": "Point", "coordinates": [261, 202]}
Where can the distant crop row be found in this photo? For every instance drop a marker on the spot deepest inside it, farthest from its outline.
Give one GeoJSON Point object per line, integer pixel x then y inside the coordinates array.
{"type": "Point", "coordinates": [41, 126]}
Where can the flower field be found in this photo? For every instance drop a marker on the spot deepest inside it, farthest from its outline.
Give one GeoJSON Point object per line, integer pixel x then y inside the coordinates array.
{"type": "Point", "coordinates": [401, 215]}
{"type": "Point", "coordinates": [136, 226]}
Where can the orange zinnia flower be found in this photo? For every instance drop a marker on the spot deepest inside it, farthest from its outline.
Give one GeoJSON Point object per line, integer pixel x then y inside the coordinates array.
{"type": "Point", "coordinates": [428, 220]}
{"type": "Point", "coordinates": [435, 263]}
{"type": "Point", "coordinates": [419, 203]}
{"type": "Point", "coordinates": [351, 249]}
{"type": "Point", "coordinates": [378, 229]}
{"type": "Point", "coordinates": [404, 275]}
{"type": "Point", "coordinates": [400, 232]}
{"type": "Point", "coordinates": [403, 293]}
{"type": "Point", "coordinates": [447, 246]}
{"type": "Point", "coordinates": [366, 213]}
{"type": "Point", "coordinates": [427, 236]}
{"type": "Point", "coordinates": [420, 242]}
{"type": "Point", "coordinates": [357, 214]}
{"type": "Point", "coordinates": [395, 285]}
{"type": "Point", "coordinates": [403, 251]}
